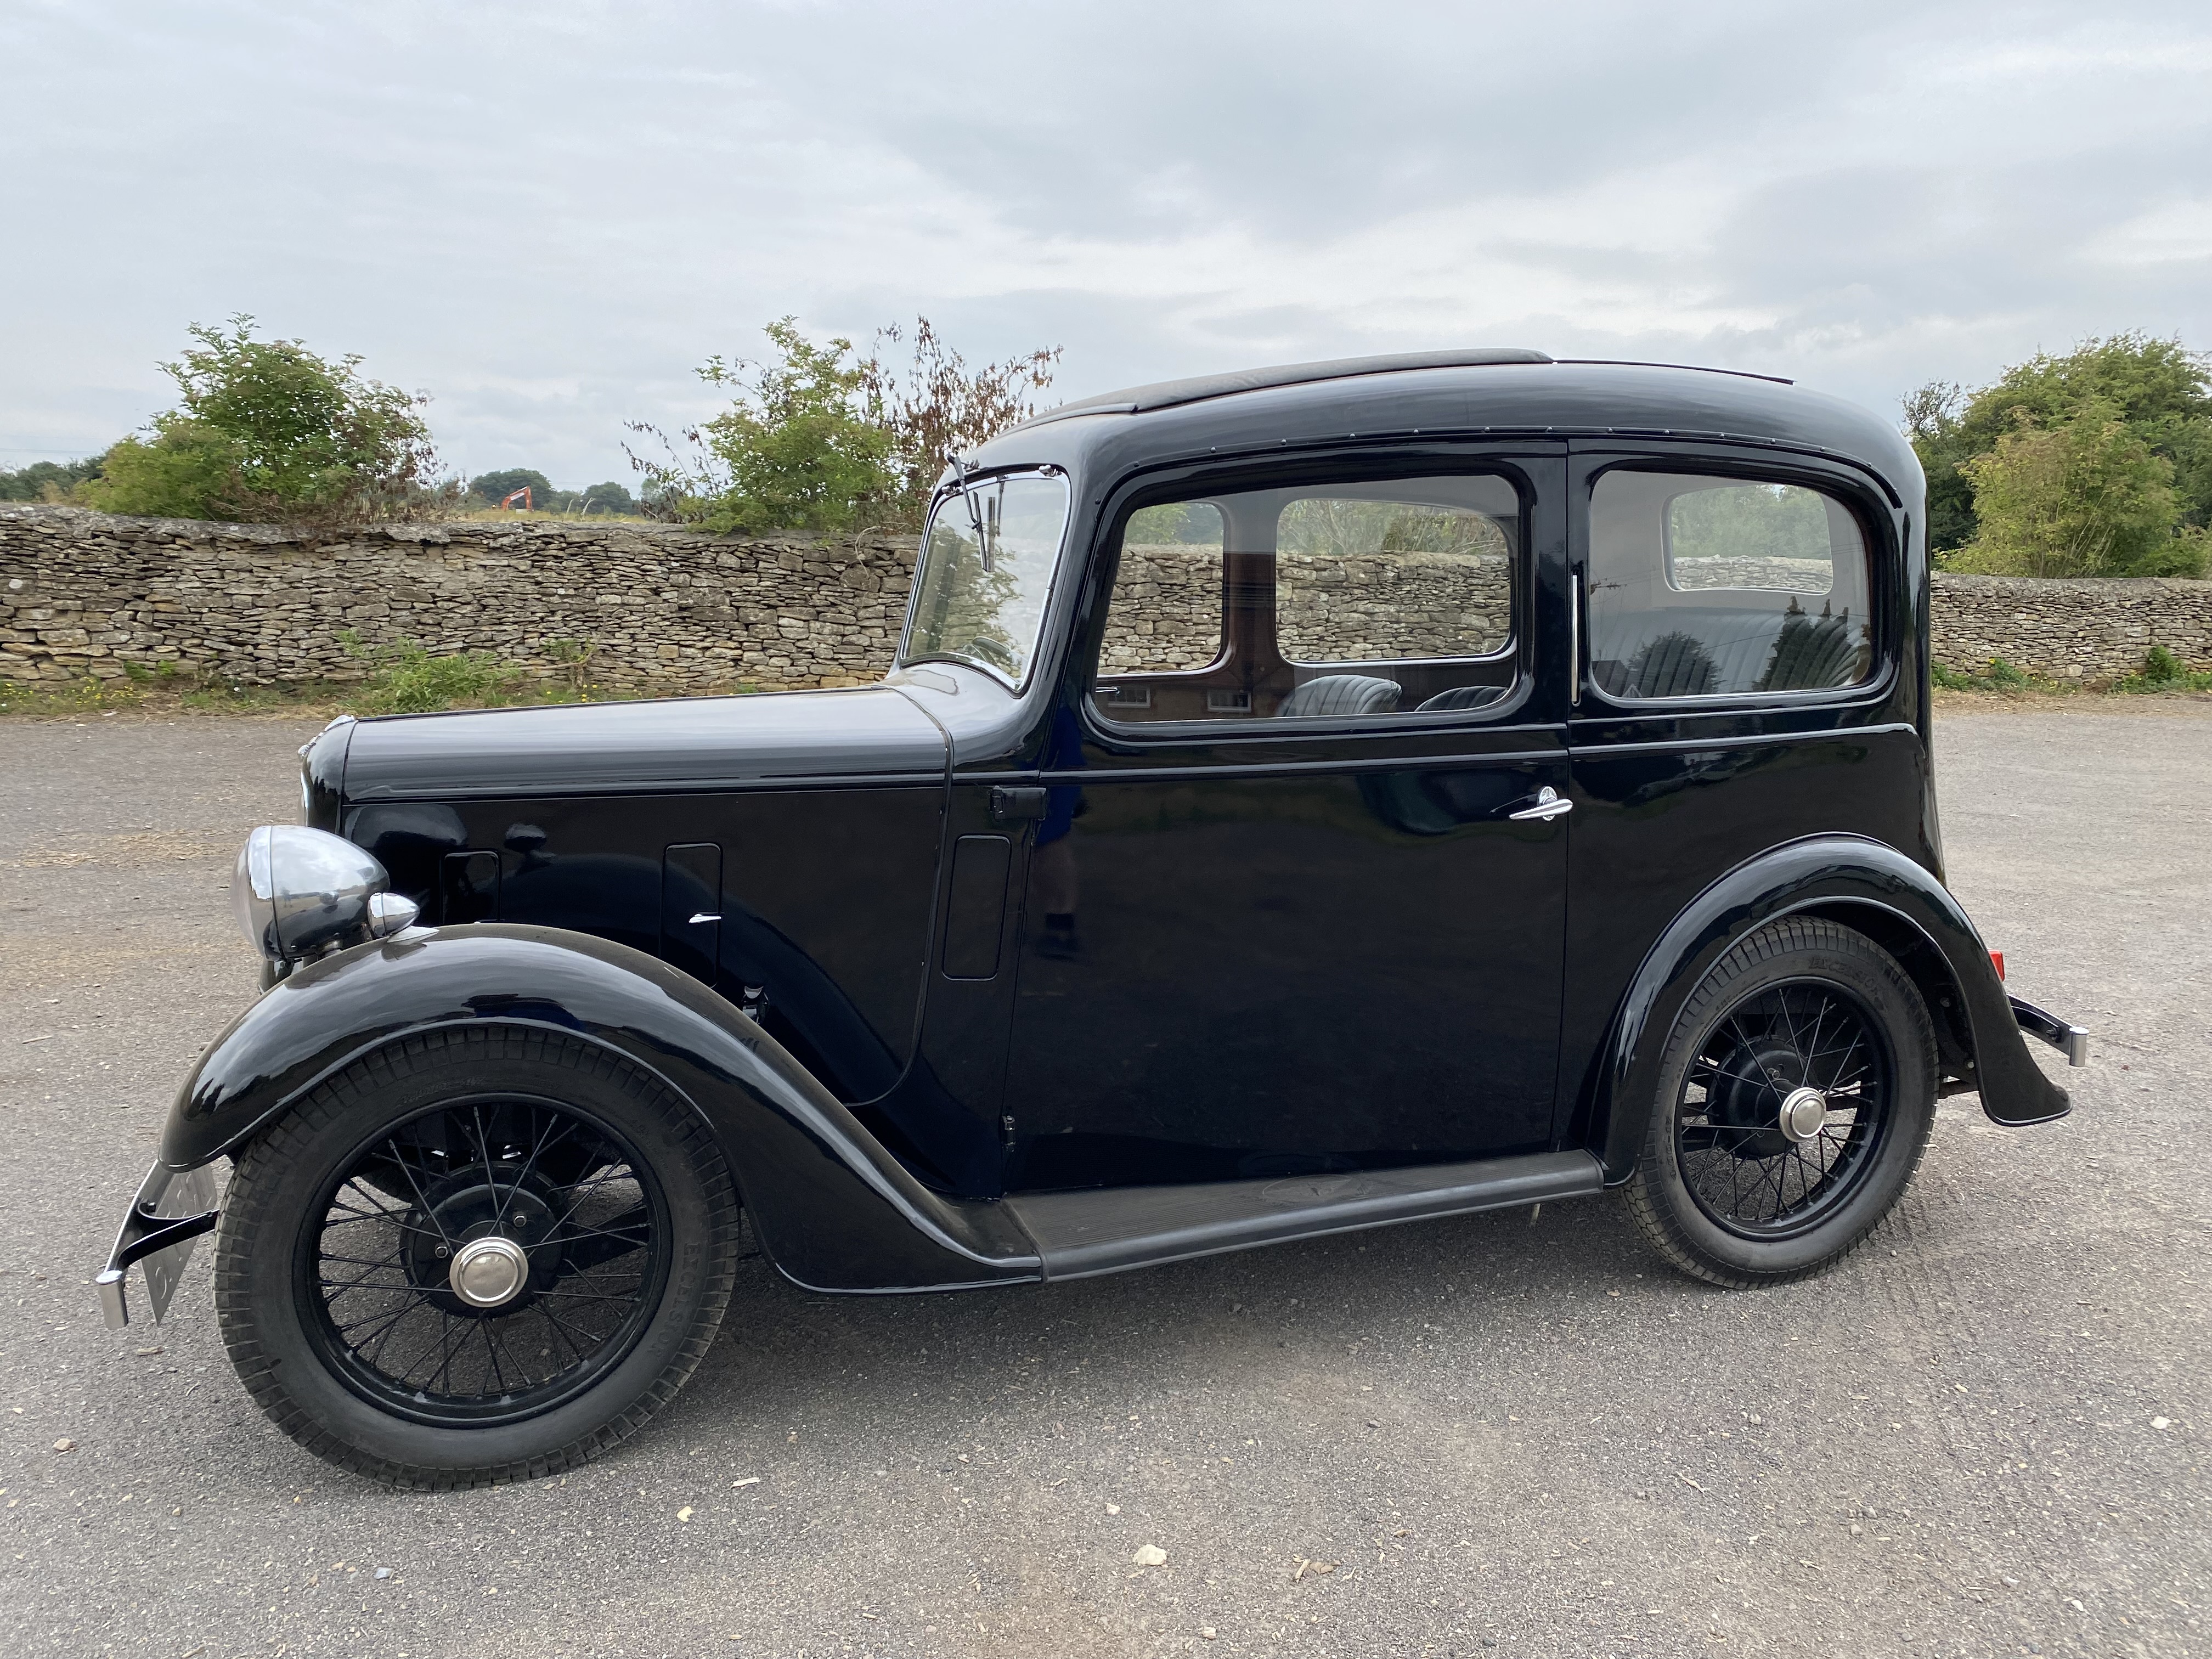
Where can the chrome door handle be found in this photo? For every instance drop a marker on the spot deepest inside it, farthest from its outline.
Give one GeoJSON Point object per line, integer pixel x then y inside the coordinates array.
{"type": "Point", "coordinates": [1549, 804]}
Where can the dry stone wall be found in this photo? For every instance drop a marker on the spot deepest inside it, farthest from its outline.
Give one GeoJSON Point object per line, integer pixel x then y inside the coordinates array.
{"type": "Point", "coordinates": [2091, 631]}
{"type": "Point", "coordinates": [83, 593]}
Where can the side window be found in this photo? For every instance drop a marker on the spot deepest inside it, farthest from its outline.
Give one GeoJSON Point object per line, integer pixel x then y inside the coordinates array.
{"type": "Point", "coordinates": [1164, 615]}
{"type": "Point", "coordinates": [1703, 586]}
{"type": "Point", "coordinates": [1316, 602]}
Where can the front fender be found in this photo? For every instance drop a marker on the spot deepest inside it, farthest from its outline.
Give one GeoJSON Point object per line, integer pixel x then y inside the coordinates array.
{"type": "Point", "coordinates": [1832, 875]}
{"type": "Point", "coordinates": [831, 1207]}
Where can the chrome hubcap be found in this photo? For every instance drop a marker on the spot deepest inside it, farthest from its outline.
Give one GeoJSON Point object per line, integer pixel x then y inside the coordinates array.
{"type": "Point", "coordinates": [1804, 1115]}
{"type": "Point", "coordinates": [489, 1272]}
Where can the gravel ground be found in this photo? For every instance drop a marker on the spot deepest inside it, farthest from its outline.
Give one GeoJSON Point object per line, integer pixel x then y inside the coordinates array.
{"type": "Point", "coordinates": [1983, 1434]}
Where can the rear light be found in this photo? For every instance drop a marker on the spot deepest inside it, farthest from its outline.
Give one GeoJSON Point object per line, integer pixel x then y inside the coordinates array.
{"type": "Point", "coordinates": [1997, 961]}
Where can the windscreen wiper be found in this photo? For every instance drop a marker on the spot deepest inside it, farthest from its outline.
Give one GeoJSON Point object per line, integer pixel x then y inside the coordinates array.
{"type": "Point", "coordinates": [984, 538]}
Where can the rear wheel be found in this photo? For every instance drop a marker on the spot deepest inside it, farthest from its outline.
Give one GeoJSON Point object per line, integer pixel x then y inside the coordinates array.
{"type": "Point", "coordinates": [477, 1257]}
{"type": "Point", "coordinates": [1796, 1095]}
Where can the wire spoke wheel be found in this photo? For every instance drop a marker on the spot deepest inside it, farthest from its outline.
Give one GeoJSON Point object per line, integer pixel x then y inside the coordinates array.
{"type": "Point", "coordinates": [1782, 1109]}
{"type": "Point", "coordinates": [484, 1260]}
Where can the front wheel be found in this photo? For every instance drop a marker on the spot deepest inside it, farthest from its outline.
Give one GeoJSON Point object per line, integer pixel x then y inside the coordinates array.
{"type": "Point", "coordinates": [1796, 1094]}
{"type": "Point", "coordinates": [476, 1256]}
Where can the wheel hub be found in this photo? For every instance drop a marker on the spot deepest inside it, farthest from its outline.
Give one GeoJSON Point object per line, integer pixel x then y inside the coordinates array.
{"type": "Point", "coordinates": [1804, 1115]}
{"type": "Point", "coordinates": [478, 1245]}
{"type": "Point", "coordinates": [489, 1271]}
{"type": "Point", "coordinates": [1742, 1101]}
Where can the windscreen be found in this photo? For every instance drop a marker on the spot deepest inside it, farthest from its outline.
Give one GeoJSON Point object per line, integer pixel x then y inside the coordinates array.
{"type": "Point", "coordinates": [986, 566]}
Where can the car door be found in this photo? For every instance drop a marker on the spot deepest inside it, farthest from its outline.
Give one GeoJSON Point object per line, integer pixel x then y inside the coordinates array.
{"type": "Point", "coordinates": [1743, 683]}
{"type": "Point", "coordinates": [1296, 902]}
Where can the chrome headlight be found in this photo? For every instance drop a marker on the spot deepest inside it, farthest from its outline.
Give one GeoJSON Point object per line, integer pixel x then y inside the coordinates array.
{"type": "Point", "coordinates": [300, 892]}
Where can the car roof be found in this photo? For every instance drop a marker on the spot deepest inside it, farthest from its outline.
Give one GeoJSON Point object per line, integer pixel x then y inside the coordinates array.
{"type": "Point", "coordinates": [1473, 392]}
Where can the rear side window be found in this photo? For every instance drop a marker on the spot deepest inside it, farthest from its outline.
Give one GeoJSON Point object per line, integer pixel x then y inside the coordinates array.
{"type": "Point", "coordinates": [1702, 587]}
{"type": "Point", "coordinates": [1326, 600]}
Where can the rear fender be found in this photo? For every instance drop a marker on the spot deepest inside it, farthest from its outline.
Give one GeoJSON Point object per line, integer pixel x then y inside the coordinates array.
{"type": "Point", "coordinates": [831, 1207]}
{"type": "Point", "coordinates": [1860, 884]}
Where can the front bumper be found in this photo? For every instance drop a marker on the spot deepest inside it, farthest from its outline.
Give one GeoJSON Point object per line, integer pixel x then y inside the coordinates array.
{"type": "Point", "coordinates": [2072, 1040]}
{"type": "Point", "coordinates": [168, 1217]}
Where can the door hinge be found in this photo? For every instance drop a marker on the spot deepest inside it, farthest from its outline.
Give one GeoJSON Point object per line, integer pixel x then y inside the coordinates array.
{"type": "Point", "coordinates": [1013, 805]}
{"type": "Point", "coordinates": [1006, 1127]}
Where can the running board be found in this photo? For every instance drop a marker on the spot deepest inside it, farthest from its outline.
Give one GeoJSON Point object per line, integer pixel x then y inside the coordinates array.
{"type": "Point", "coordinates": [1110, 1230]}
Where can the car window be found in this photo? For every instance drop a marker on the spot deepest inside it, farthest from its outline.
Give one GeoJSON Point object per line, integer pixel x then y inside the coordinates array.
{"type": "Point", "coordinates": [1326, 601]}
{"type": "Point", "coordinates": [1703, 586]}
{"type": "Point", "coordinates": [1165, 613]}
{"type": "Point", "coordinates": [986, 566]}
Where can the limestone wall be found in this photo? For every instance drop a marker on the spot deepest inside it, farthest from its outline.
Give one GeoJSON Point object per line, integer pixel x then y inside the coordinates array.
{"type": "Point", "coordinates": [2091, 631]}
{"type": "Point", "coordinates": [83, 593]}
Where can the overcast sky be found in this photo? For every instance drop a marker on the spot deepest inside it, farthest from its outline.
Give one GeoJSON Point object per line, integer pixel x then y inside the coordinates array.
{"type": "Point", "coordinates": [545, 216]}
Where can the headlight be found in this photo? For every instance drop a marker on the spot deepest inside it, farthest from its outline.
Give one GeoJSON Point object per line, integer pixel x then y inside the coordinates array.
{"type": "Point", "coordinates": [300, 892]}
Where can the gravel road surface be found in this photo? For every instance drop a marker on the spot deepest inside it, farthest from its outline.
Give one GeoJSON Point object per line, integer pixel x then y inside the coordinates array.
{"type": "Point", "coordinates": [1984, 1434]}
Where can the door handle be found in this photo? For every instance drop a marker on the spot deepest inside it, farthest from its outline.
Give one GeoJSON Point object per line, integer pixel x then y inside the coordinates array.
{"type": "Point", "coordinates": [1016, 805]}
{"type": "Point", "coordinates": [1549, 804]}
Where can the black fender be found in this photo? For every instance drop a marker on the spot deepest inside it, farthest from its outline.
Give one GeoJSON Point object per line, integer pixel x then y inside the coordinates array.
{"type": "Point", "coordinates": [1862, 884]}
{"type": "Point", "coordinates": [832, 1208]}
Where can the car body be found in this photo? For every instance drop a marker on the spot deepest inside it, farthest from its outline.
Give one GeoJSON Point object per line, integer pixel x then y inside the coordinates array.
{"type": "Point", "coordinates": [1303, 801]}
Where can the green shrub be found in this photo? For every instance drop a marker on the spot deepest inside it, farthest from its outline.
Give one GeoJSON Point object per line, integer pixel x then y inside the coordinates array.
{"type": "Point", "coordinates": [2088, 497]}
{"type": "Point", "coordinates": [2162, 670]}
{"type": "Point", "coordinates": [266, 432]}
{"type": "Point", "coordinates": [818, 439]}
{"type": "Point", "coordinates": [404, 678]}
{"type": "Point", "coordinates": [793, 452]}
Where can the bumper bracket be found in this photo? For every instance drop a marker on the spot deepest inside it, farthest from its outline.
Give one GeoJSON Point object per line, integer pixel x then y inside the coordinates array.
{"type": "Point", "coordinates": [2072, 1040]}
{"type": "Point", "coordinates": [172, 1210]}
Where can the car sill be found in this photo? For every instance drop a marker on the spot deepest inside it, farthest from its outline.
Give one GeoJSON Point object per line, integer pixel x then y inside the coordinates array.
{"type": "Point", "coordinates": [1112, 1230]}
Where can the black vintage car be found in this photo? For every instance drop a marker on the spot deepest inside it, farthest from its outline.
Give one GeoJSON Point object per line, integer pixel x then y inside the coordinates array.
{"type": "Point", "coordinates": [1306, 800]}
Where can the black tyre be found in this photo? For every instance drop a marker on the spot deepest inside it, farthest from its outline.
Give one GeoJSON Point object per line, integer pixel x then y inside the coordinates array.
{"type": "Point", "coordinates": [1796, 1098]}
{"type": "Point", "coordinates": [476, 1256]}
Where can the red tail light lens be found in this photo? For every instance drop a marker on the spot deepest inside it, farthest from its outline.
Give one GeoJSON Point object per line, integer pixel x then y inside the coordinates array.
{"type": "Point", "coordinates": [1997, 961]}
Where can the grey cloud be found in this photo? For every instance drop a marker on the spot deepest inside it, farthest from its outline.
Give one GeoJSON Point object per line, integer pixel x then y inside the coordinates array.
{"type": "Point", "coordinates": [547, 215]}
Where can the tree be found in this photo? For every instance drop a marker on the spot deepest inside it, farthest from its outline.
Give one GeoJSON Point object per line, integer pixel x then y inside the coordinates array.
{"type": "Point", "coordinates": [48, 481]}
{"type": "Point", "coordinates": [610, 497]}
{"type": "Point", "coordinates": [493, 488]}
{"type": "Point", "coordinates": [2085, 497]}
{"type": "Point", "coordinates": [267, 432]}
{"type": "Point", "coordinates": [1932, 422]}
{"type": "Point", "coordinates": [2159, 389]}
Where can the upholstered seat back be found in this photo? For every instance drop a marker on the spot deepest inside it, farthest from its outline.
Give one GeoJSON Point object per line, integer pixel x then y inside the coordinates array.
{"type": "Point", "coordinates": [1340, 694]}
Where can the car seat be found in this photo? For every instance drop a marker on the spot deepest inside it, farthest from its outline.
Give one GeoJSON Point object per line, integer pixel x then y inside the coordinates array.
{"type": "Point", "coordinates": [1341, 694]}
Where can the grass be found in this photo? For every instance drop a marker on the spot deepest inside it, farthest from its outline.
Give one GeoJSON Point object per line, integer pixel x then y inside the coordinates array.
{"type": "Point", "coordinates": [2000, 675]}
{"type": "Point", "coordinates": [400, 679]}
{"type": "Point", "coordinates": [2163, 671]}
{"type": "Point", "coordinates": [542, 515]}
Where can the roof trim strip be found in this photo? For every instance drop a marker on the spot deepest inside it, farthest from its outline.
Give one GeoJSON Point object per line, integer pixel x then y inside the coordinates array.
{"type": "Point", "coordinates": [1168, 394]}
